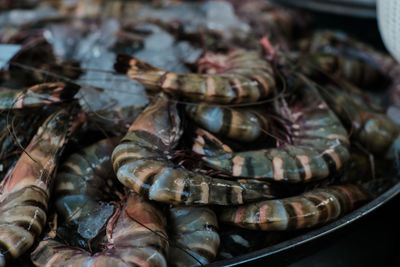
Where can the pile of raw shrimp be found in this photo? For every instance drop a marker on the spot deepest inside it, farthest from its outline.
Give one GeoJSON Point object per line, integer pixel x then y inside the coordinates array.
{"type": "Point", "coordinates": [155, 133]}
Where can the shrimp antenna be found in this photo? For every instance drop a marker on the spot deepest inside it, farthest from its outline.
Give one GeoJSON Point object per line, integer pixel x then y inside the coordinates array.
{"type": "Point", "coordinates": [61, 77]}
{"type": "Point", "coordinates": [12, 132]}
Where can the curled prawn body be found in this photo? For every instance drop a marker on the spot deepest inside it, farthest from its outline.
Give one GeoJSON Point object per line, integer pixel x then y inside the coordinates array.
{"type": "Point", "coordinates": [85, 179]}
{"type": "Point", "coordinates": [37, 95]}
{"type": "Point", "coordinates": [307, 210]}
{"type": "Point", "coordinates": [142, 163]}
{"type": "Point", "coordinates": [248, 78]}
{"type": "Point", "coordinates": [130, 242]}
{"type": "Point", "coordinates": [354, 70]}
{"type": "Point", "coordinates": [194, 229]}
{"type": "Point", "coordinates": [245, 125]}
{"type": "Point", "coordinates": [25, 190]}
{"type": "Point", "coordinates": [319, 147]}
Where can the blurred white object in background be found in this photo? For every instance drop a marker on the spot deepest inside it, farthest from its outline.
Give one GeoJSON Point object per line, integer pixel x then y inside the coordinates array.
{"type": "Point", "coordinates": [389, 25]}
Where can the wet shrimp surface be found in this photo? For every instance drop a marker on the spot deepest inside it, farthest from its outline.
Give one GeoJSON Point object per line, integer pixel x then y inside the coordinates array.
{"type": "Point", "coordinates": [182, 133]}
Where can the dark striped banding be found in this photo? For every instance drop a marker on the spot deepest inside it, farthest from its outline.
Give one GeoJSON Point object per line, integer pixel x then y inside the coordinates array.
{"type": "Point", "coordinates": [244, 125]}
{"type": "Point", "coordinates": [26, 189]}
{"type": "Point", "coordinates": [142, 163]}
{"type": "Point", "coordinates": [37, 95]}
{"type": "Point", "coordinates": [194, 231]}
{"type": "Point", "coordinates": [137, 238]}
{"type": "Point", "coordinates": [247, 78]}
{"type": "Point", "coordinates": [319, 147]}
{"type": "Point", "coordinates": [85, 179]}
{"type": "Point", "coordinates": [307, 210]}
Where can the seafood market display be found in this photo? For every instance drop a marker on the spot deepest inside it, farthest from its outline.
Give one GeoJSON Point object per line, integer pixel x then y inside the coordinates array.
{"type": "Point", "coordinates": [180, 133]}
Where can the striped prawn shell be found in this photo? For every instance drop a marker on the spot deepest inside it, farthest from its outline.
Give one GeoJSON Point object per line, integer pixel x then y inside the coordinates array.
{"type": "Point", "coordinates": [26, 189]}
{"type": "Point", "coordinates": [137, 238]}
{"type": "Point", "coordinates": [141, 162]}
{"type": "Point", "coordinates": [194, 230]}
{"type": "Point", "coordinates": [85, 178]}
{"type": "Point", "coordinates": [248, 78]}
{"type": "Point", "coordinates": [37, 95]}
{"type": "Point", "coordinates": [307, 210]}
{"type": "Point", "coordinates": [319, 148]}
{"type": "Point", "coordinates": [244, 125]}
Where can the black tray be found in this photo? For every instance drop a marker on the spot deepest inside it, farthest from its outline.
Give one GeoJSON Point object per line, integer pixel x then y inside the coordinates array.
{"type": "Point", "coordinates": [332, 228]}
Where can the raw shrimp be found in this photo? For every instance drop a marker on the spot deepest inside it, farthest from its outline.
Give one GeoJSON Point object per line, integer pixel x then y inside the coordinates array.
{"type": "Point", "coordinates": [354, 70]}
{"type": "Point", "coordinates": [374, 130]}
{"type": "Point", "coordinates": [37, 95]}
{"type": "Point", "coordinates": [316, 207]}
{"type": "Point", "coordinates": [85, 183]}
{"type": "Point", "coordinates": [319, 145]}
{"type": "Point", "coordinates": [142, 163]}
{"type": "Point", "coordinates": [25, 190]}
{"type": "Point", "coordinates": [246, 78]}
{"type": "Point", "coordinates": [135, 237]}
{"type": "Point", "coordinates": [341, 44]}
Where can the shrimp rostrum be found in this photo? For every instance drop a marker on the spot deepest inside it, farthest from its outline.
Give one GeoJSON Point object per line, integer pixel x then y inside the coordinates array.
{"type": "Point", "coordinates": [318, 147]}
{"type": "Point", "coordinates": [26, 189]}
{"type": "Point", "coordinates": [246, 79]}
{"type": "Point", "coordinates": [142, 162]}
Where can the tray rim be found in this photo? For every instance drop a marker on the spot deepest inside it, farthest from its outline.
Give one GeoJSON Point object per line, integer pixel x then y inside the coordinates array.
{"type": "Point", "coordinates": [313, 234]}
